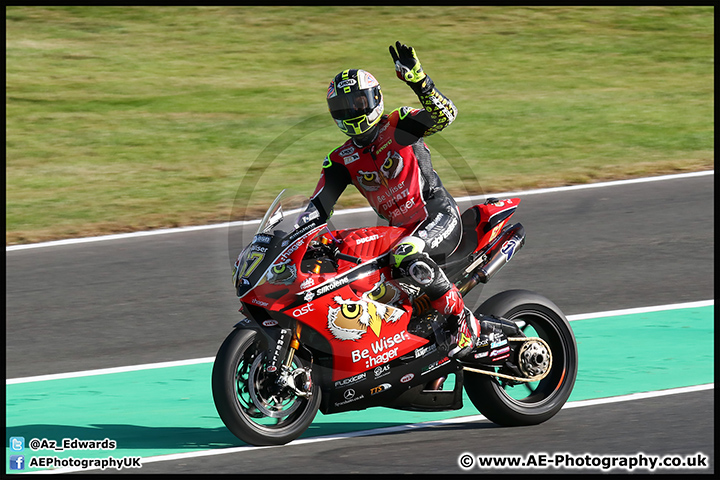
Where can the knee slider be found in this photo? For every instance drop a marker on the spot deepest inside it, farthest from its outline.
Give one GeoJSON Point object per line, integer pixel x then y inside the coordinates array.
{"type": "Point", "coordinates": [410, 262]}
{"type": "Point", "coordinates": [407, 248]}
{"type": "Point", "coordinates": [420, 271]}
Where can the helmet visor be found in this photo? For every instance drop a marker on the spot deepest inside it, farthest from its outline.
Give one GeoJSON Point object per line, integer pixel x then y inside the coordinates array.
{"type": "Point", "coordinates": [354, 104]}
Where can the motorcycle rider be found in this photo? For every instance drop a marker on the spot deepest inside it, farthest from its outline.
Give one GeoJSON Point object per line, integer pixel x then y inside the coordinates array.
{"type": "Point", "coordinates": [389, 163]}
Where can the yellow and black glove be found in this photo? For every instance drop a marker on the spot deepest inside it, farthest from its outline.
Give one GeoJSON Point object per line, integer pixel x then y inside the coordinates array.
{"type": "Point", "coordinates": [408, 69]}
{"type": "Point", "coordinates": [407, 65]}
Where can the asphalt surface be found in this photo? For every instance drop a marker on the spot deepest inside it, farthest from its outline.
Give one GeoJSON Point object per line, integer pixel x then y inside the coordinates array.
{"type": "Point", "coordinates": [169, 297]}
{"type": "Point", "coordinates": [653, 427]}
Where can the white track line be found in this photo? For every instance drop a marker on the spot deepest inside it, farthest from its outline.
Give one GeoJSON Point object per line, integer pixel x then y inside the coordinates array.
{"type": "Point", "coordinates": [106, 371]}
{"type": "Point", "coordinates": [398, 428]}
{"type": "Point", "coordinates": [633, 311]}
{"type": "Point", "coordinates": [194, 361]}
{"type": "Point", "coordinates": [164, 231]}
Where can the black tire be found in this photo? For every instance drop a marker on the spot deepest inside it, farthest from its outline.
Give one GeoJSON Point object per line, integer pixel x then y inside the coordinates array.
{"type": "Point", "coordinates": [527, 404]}
{"type": "Point", "coordinates": [241, 358]}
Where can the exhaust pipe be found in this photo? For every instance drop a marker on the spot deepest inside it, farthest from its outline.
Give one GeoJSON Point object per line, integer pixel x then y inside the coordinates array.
{"type": "Point", "coordinates": [502, 250]}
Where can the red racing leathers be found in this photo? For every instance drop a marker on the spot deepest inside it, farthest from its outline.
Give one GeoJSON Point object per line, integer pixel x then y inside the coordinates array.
{"type": "Point", "coordinates": [394, 178]}
{"type": "Point", "coordinates": [394, 172]}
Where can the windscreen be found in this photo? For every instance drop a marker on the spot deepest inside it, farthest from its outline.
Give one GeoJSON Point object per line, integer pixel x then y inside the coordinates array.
{"type": "Point", "coordinates": [275, 232]}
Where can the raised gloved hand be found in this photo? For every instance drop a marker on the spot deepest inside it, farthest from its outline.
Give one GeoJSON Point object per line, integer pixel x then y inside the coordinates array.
{"type": "Point", "coordinates": [407, 65]}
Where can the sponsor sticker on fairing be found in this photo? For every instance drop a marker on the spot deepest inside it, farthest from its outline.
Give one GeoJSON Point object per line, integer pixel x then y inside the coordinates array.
{"type": "Point", "coordinates": [380, 388]}
{"type": "Point", "coordinates": [381, 351]}
{"type": "Point", "coordinates": [371, 238]}
{"type": "Point", "coordinates": [349, 396]}
{"type": "Point", "coordinates": [305, 309]}
{"type": "Point", "coordinates": [307, 283]}
{"type": "Point", "coordinates": [261, 238]}
{"type": "Point", "coordinates": [333, 285]}
{"type": "Point", "coordinates": [381, 371]}
{"type": "Point", "coordinates": [434, 365]}
{"type": "Point", "coordinates": [423, 351]}
{"type": "Point", "coordinates": [495, 353]}
{"type": "Point", "coordinates": [350, 380]}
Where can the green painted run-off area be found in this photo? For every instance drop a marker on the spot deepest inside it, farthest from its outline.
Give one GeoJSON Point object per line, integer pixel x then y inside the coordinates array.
{"type": "Point", "coordinates": [170, 410]}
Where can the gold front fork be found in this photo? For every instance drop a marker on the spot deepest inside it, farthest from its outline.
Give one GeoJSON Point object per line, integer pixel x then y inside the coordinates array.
{"type": "Point", "coordinates": [294, 345]}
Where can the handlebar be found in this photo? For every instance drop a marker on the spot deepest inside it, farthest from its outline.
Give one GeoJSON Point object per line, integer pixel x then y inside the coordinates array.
{"type": "Point", "coordinates": [333, 252]}
{"type": "Point", "coordinates": [342, 256]}
{"type": "Point", "coordinates": [348, 258]}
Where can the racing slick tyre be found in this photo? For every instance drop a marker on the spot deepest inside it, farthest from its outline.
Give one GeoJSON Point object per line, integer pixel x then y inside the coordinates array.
{"type": "Point", "coordinates": [512, 403]}
{"type": "Point", "coordinates": [246, 396]}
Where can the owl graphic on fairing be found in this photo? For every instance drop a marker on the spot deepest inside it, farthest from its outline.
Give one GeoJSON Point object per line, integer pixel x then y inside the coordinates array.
{"type": "Point", "coordinates": [282, 274]}
{"type": "Point", "coordinates": [352, 318]}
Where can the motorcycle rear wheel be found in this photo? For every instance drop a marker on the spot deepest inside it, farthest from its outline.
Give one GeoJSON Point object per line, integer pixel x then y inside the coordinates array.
{"type": "Point", "coordinates": [252, 412]}
{"type": "Point", "coordinates": [527, 403]}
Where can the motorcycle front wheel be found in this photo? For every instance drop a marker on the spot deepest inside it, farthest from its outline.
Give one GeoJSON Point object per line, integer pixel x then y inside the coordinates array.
{"type": "Point", "coordinates": [245, 399]}
{"type": "Point", "coordinates": [508, 403]}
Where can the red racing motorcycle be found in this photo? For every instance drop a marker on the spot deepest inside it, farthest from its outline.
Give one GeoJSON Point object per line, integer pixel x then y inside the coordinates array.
{"type": "Point", "coordinates": [327, 328]}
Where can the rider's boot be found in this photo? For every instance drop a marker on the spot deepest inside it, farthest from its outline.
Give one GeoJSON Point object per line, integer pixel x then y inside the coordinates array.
{"type": "Point", "coordinates": [480, 342]}
{"type": "Point", "coordinates": [483, 341]}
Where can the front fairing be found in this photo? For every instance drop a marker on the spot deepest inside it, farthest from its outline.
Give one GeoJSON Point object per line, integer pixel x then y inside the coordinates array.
{"type": "Point", "coordinates": [269, 258]}
{"type": "Point", "coordinates": [353, 312]}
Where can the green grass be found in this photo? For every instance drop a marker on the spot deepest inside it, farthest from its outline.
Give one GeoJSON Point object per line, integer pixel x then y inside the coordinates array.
{"type": "Point", "coordinates": [126, 118]}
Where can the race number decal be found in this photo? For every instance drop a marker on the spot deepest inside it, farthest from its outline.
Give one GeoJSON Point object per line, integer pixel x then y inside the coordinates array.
{"type": "Point", "coordinates": [253, 260]}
